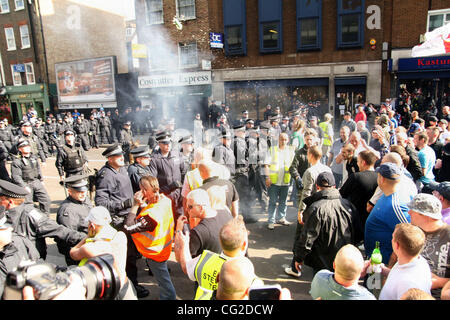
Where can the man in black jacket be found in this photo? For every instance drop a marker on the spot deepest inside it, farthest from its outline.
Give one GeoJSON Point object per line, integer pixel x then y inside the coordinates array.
{"type": "Point", "coordinates": [329, 224]}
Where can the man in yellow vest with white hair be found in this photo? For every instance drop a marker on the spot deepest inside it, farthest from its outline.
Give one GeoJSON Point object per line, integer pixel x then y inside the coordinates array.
{"type": "Point", "coordinates": [278, 179]}
{"type": "Point", "coordinates": [328, 134]}
{"type": "Point", "coordinates": [152, 231]}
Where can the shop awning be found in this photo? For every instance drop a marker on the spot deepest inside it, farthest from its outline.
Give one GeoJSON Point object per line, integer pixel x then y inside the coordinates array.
{"type": "Point", "coordinates": [303, 82]}
{"type": "Point", "coordinates": [350, 81]}
{"type": "Point", "coordinates": [199, 91]}
{"type": "Point", "coordinates": [424, 75]}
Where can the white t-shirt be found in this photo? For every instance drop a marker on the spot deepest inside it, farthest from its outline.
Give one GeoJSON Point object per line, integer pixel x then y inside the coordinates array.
{"type": "Point", "coordinates": [401, 278]}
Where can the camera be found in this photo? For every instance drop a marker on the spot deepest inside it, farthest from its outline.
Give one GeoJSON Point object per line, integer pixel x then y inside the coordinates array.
{"type": "Point", "coordinates": [100, 279]}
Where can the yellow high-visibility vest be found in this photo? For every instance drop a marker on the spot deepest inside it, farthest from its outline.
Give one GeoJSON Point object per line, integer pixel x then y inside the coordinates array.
{"type": "Point", "coordinates": [194, 179]}
{"type": "Point", "coordinates": [205, 272]}
{"type": "Point", "coordinates": [275, 166]}
{"type": "Point", "coordinates": [326, 139]}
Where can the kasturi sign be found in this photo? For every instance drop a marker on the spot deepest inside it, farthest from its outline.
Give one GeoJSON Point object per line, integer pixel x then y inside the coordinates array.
{"type": "Point", "coordinates": [175, 79]}
{"type": "Point", "coordinates": [428, 64]}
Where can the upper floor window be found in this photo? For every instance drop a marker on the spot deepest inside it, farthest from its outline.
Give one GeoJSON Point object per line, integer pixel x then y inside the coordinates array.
{"type": "Point", "coordinates": [4, 6]}
{"type": "Point", "coordinates": [10, 40]}
{"type": "Point", "coordinates": [17, 78]}
{"type": "Point", "coordinates": [186, 9]}
{"type": "Point", "coordinates": [29, 71]}
{"type": "Point", "coordinates": [19, 4]}
{"type": "Point", "coordinates": [309, 24]}
{"type": "Point", "coordinates": [270, 25]}
{"type": "Point", "coordinates": [235, 27]}
{"type": "Point", "coordinates": [438, 18]}
{"type": "Point", "coordinates": [24, 36]}
{"type": "Point", "coordinates": [154, 11]}
{"type": "Point", "coordinates": [188, 54]}
{"type": "Point", "coordinates": [350, 23]}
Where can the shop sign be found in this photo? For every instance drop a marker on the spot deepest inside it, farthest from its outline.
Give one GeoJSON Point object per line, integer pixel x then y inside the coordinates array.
{"type": "Point", "coordinates": [175, 80]}
{"type": "Point", "coordinates": [428, 64]}
{"type": "Point", "coordinates": [19, 68]}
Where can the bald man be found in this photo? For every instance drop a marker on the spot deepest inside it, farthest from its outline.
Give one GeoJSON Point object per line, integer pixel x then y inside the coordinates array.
{"type": "Point", "coordinates": [235, 279]}
{"type": "Point", "coordinates": [343, 283]}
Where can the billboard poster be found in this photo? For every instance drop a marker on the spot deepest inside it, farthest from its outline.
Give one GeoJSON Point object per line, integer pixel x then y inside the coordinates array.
{"type": "Point", "coordinates": [89, 80]}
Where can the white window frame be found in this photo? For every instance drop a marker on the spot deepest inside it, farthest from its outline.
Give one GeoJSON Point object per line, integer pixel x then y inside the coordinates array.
{"type": "Point", "coordinates": [22, 36]}
{"type": "Point", "coordinates": [14, 78]}
{"type": "Point", "coordinates": [180, 45]}
{"type": "Point", "coordinates": [147, 11]}
{"type": "Point", "coordinates": [184, 18]}
{"type": "Point", "coordinates": [2, 2]}
{"type": "Point", "coordinates": [13, 38]}
{"type": "Point", "coordinates": [19, 8]}
{"type": "Point", "coordinates": [28, 73]}
{"type": "Point", "coordinates": [435, 13]}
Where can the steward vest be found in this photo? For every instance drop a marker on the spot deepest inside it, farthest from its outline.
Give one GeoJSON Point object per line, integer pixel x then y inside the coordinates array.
{"type": "Point", "coordinates": [274, 167]}
{"type": "Point", "coordinates": [194, 179]}
{"type": "Point", "coordinates": [326, 137]}
{"type": "Point", "coordinates": [205, 272]}
{"type": "Point", "coordinates": [108, 238]}
{"type": "Point", "coordinates": [157, 244]}
{"type": "Point", "coordinates": [73, 161]}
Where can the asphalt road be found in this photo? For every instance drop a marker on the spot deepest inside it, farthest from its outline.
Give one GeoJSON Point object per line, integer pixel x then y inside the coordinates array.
{"type": "Point", "coordinates": [269, 250]}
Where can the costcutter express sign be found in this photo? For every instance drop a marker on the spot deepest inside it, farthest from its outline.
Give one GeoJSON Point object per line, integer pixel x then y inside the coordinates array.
{"type": "Point", "coordinates": [175, 80]}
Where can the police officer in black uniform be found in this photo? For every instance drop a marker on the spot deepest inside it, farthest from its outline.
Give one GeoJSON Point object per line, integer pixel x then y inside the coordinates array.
{"type": "Point", "coordinates": [140, 167]}
{"type": "Point", "coordinates": [31, 223]}
{"type": "Point", "coordinates": [50, 136]}
{"type": "Point", "coordinates": [26, 132]}
{"type": "Point", "coordinates": [257, 156]}
{"type": "Point", "coordinates": [115, 192]}
{"type": "Point", "coordinates": [26, 172]}
{"type": "Point", "coordinates": [82, 131]}
{"type": "Point", "coordinates": [39, 131]}
{"type": "Point", "coordinates": [127, 141]}
{"type": "Point", "coordinates": [93, 132]}
{"type": "Point", "coordinates": [73, 211]}
{"type": "Point", "coordinates": [70, 159]}
{"type": "Point", "coordinates": [168, 167]}
{"type": "Point", "coordinates": [187, 150]}
{"type": "Point", "coordinates": [6, 135]}
{"type": "Point", "coordinates": [104, 128]}
{"type": "Point", "coordinates": [223, 153]}
{"type": "Point", "coordinates": [13, 249]}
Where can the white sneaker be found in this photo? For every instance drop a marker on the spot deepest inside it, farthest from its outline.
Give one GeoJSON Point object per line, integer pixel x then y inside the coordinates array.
{"type": "Point", "coordinates": [270, 226]}
{"type": "Point", "coordinates": [284, 222]}
{"type": "Point", "coordinates": [288, 270]}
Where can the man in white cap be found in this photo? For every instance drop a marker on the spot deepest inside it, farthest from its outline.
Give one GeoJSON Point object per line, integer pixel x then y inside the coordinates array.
{"type": "Point", "coordinates": [425, 211]}
{"type": "Point", "coordinates": [103, 238]}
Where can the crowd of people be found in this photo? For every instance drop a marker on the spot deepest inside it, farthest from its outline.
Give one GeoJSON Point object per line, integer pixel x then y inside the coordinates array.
{"type": "Point", "coordinates": [381, 187]}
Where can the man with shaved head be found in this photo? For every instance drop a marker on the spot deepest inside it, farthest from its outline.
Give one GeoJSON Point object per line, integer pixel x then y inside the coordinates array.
{"type": "Point", "coordinates": [343, 283]}
{"type": "Point", "coordinates": [235, 279]}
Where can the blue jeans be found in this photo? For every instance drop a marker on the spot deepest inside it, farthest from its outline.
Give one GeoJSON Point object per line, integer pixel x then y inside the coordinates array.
{"type": "Point", "coordinates": [277, 194]}
{"type": "Point", "coordinates": [161, 274]}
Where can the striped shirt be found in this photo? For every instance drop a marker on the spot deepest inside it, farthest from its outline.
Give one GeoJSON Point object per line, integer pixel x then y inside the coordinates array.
{"type": "Point", "coordinates": [387, 213]}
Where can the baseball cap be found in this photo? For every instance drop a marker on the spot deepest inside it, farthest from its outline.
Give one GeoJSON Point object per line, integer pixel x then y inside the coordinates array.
{"type": "Point", "coordinates": [389, 170]}
{"type": "Point", "coordinates": [99, 215]}
{"type": "Point", "coordinates": [427, 205]}
{"type": "Point", "coordinates": [443, 188]}
{"type": "Point", "coordinates": [325, 179]}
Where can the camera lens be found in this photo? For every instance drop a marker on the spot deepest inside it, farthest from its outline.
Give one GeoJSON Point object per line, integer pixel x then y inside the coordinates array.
{"type": "Point", "coordinates": [100, 278]}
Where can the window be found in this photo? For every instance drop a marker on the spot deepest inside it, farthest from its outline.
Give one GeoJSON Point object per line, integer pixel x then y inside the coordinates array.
{"type": "Point", "coordinates": [29, 71]}
{"type": "Point", "coordinates": [17, 78]}
{"type": "Point", "coordinates": [235, 27]}
{"type": "Point", "coordinates": [10, 40]}
{"type": "Point", "coordinates": [19, 5]}
{"type": "Point", "coordinates": [270, 25]}
{"type": "Point", "coordinates": [4, 6]}
{"type": "Point", "coordinates": [186, 9]}
{"type": "Point", "coordinates": [154, 10]}
{"type": "Point", "coordinates": [188, 54]}
{"type": "Point", "coordinates": [24, 36]}
{"type": "Point", "coordinates": [309, 24]}
{"type": "Point", "coordinates": [350, 28]}
{"type": "Point", "coordinates": [438, 18]}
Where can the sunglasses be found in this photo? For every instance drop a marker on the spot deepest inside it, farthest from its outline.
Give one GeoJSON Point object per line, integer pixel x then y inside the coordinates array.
{"type": "Point", "coordinates": [190, 207]}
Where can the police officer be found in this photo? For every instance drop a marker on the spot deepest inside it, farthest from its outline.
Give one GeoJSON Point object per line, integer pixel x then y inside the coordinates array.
{"type": "Point", "coordinates": [93, 131]}
{"type": "Point", "coordinates": [73, 211]}
{"type": "Point", "coordinates": [13, 249]}
{"type": "Point", "coordinates": [82, 130]}
{"type": "Point", "coordinates": [223, 154]}
{"type": "Point", "coordinates": [70, 159]}
{"type": "Point", "coordinates": [140, 167]}
{"type": "Point", "coordinates": [104, 127]}
{"type": "Point", "coordinates": [50, 135]}
{"type": "Point", "coordinates": [115, 126]}
{"type": "Point", "coordinates": [27, 133]}
{"type": "Point", "coordinates": [31, 223]}
{"type": "Point", "coordinates": [4, 154]}
{"type": "Point", "coordinates": [126, 140]}
{"type": "Point", "coordinates": [168, 167]}
{"type": "Point", "coordinates": [241, 179]}
{"type": "Point", "coordinates": [187, 150]}
{"type": "Point", "coordinates": [26, 172]}
{"type": "Point", "coordinates": [39, 131]}
{"type": "Point", "coordinates": [115, 192]}
{"type": "Point", "coordinates": [243, 119]}
{"type": "Point", "coordinates": [6, 135]}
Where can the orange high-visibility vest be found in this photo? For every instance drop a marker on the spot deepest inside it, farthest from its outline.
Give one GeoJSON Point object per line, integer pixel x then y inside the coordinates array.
{"type": "Point", "coordinates": [157, 245]}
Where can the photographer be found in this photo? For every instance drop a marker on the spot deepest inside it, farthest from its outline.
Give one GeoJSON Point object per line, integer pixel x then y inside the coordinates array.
{"type": "Point", "coordinates": [103, 238]}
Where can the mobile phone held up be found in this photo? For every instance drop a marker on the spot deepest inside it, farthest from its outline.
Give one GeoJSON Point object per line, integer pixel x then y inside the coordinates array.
{"type": "Point", "coordinates": [267, 292]}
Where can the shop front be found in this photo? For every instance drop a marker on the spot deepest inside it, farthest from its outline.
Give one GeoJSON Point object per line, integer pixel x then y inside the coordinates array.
{"type": "Point", "coordinates": [349, 91]}
{"type": "Point", "coordinates": [177, 95]}
{"type": "Point", "coordinates": [426, 80]}
{"type": "Point", "coordinates": [21, 98]}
